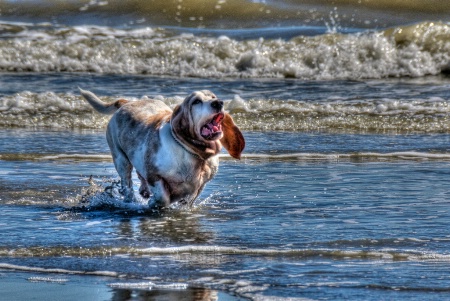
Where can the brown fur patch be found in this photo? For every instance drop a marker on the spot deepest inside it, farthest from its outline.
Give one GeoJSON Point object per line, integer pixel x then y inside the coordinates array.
{"type": "Point", "coordinates": [157, 119]}
{"type": "Point", "coordinates": [120, 103]}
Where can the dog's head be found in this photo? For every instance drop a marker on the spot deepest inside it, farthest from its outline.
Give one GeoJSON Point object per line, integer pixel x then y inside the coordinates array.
{"type": "Point", "coordinates": [201, 123]}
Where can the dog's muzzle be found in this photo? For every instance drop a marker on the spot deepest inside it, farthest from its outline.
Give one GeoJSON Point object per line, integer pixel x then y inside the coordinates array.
{"type": "Point", "coordinates": [213, 129]}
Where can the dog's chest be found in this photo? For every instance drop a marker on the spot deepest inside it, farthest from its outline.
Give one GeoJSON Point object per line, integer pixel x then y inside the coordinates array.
{"type": "Point", "coordinates": [181, 167]}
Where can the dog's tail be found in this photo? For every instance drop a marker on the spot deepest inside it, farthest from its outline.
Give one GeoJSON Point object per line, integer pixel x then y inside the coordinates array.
{"type": "Point", "coordinates": [100, 106]}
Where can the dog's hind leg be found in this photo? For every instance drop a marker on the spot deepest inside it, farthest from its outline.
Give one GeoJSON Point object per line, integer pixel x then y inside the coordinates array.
{"type": "Point", "coordinates": [124, 168]}
{"type": "Point", "coordinates": [121, 162]}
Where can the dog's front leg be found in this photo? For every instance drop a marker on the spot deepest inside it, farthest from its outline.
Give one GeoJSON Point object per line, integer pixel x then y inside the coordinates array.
{"type": "Point", "coordinates": [161, 196]}
{"type": "Point", "coordinates": [143, 189]}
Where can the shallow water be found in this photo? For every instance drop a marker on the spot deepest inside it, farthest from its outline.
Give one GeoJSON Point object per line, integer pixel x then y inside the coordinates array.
{"type": "Point", "coordinates": [342, 190]}
{"type": "Point", "coordinates": [322, 226]}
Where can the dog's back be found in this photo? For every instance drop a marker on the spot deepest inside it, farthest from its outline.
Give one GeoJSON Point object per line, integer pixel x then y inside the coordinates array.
{"type": "Point", "coordinates": [135, 122]}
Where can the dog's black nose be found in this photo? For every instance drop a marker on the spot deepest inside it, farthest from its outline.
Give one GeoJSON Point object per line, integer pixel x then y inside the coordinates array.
{"type": "Point", "coordinates": [217, 105]}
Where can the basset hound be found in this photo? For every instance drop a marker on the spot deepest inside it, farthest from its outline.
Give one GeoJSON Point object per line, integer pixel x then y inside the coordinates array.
{"type": "Point", "coordinates": [174, 152]}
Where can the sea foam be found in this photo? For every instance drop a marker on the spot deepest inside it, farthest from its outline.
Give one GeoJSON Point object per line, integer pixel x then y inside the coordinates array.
{"type": "Point", "coordinates": [412, 51]}
{"type": "Point", "coordinates": [69, 111]}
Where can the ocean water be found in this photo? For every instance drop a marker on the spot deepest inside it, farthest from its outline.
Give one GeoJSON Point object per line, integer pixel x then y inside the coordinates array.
{"type": "Point", "coordinates": [342, 191]}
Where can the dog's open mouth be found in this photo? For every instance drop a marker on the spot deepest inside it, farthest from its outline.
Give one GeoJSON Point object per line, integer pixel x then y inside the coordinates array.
{"type": "Point", "coordinates": [212, 129]}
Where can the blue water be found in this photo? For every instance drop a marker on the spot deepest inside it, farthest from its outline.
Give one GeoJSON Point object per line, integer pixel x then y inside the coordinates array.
{"type": "Point", "coordinates": [341, 193]}
{"type": "Point", "coordinates": [358, 228]}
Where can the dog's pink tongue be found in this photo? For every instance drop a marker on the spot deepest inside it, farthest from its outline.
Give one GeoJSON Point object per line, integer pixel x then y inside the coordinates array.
{"type": "Point", "coordinates": [205, 131]}
{"type": "Point", "coordinates": [215, 129]}
{"type": "Point", "coordinates": [218, 118]}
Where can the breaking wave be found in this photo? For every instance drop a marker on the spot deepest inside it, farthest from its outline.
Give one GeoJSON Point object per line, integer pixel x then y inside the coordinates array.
{"type": "Point", "coordinates": [69, 111]}
{"type": "Point", "coordinates": [411, 51]}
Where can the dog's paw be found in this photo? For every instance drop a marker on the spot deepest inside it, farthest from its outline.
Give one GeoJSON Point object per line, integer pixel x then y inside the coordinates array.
{"type": "Point", "coordinates": [143, 191]}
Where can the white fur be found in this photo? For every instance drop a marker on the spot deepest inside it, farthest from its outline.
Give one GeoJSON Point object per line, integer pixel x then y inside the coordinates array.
{"type": "Point", "coordinates": [174, 173]}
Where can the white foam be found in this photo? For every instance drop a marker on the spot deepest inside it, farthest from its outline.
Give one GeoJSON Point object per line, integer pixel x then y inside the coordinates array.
{"type": "Point", "coordinates": [407, 155]}
{"type": "Point", "coordinates": [149, 286]}
{"type": "Point", "coordinates": [409, 51]}
{"type": "Point", "coordinates": [48, 109]}
{"type": "Point", "coordinates": [83, 157]}
{"type": "Point", "coordinates": [97, 198]}
{"type": "Point", "coordinates": [48, 279]}
{"type": "Point", "coordinates": [172, 286]}
{"type": "Point", "coordinates": [211, 251]}
{"type": "Point", "coordinates": [8, 266]}
{"type": "Point", "coordinates": [132, 285]}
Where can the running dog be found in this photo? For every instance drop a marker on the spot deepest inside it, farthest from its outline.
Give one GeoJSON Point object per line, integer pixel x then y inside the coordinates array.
{"type": "Point", "coordinates": [174, 152]}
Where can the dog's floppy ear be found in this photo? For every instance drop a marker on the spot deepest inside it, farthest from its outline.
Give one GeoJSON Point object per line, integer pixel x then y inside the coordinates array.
{"type": "Point", "coordinates": [232, 139]}
{"type": "Point", "coordinates": [176, 110]}
{"type": "Point", "coordinates": [179, 122]}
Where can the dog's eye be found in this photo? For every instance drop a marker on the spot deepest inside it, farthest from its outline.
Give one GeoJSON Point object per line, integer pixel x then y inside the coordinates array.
{"type": "Point", "coordinates": [196, 101]}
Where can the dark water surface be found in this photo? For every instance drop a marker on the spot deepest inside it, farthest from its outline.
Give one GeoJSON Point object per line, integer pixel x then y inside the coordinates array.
{"type": "Point", "coordinates": [342, 191]}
